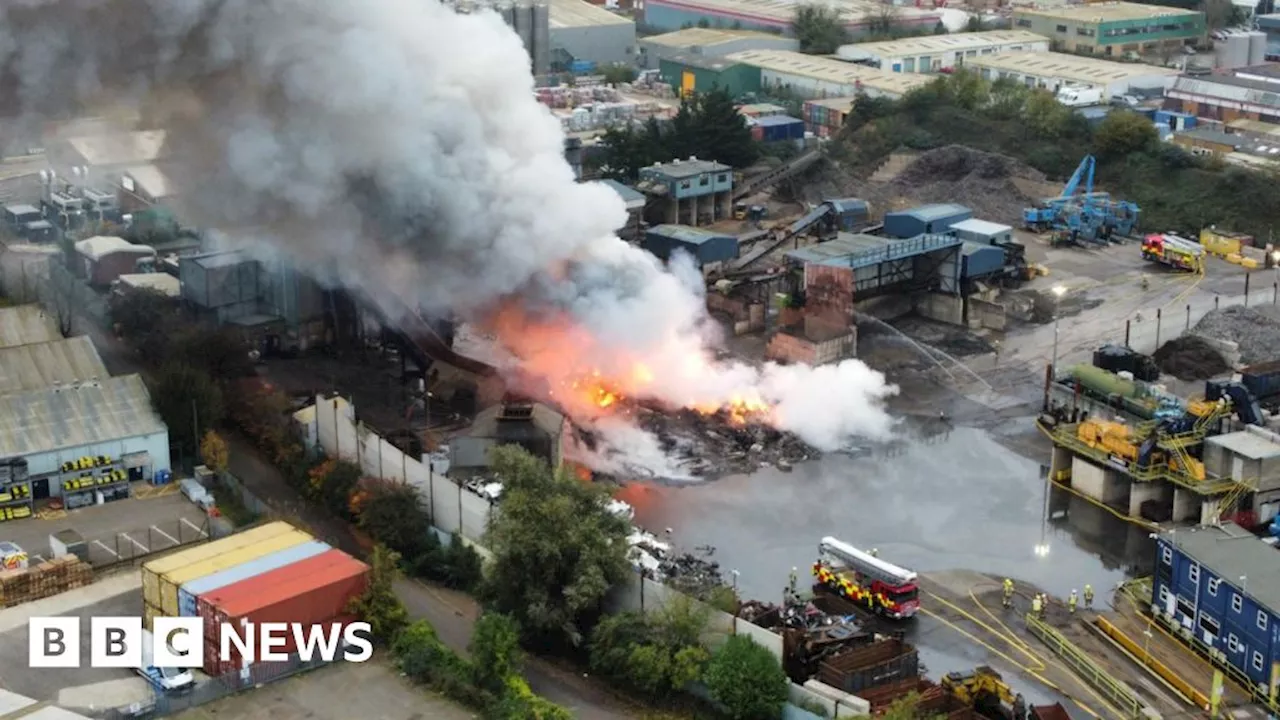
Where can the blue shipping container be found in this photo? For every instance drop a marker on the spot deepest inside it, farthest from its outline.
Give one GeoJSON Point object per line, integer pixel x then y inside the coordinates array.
{"type": "Point", "coordinates": [188, 593]}
{"type": "Point", "coordinates": [981, 260]}
{"type": "Point", "coordinates": [778, 128]}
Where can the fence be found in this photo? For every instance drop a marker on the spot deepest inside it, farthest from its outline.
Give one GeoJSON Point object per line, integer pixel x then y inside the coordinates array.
{"type": "Point", "coordinates": [251, 502]}
{"type": "Point", "coordinates": [128, 547]}
{"type": "Point", "coordinates": [163, 704]}
{"type": "Point", "coordinates": [452, 508]}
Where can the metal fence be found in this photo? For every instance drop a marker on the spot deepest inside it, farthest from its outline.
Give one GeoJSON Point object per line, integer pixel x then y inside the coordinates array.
{"type": "Point", "coordinates": [134, 545]}
{"type": "Point", "coordinates": [162, 704]}
{"type": "Point", "coordinates": [251, 502]}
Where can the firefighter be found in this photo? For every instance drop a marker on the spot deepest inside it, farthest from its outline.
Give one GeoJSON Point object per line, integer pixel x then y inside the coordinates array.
{"type": "Point", "coordinates": [1019, 707]}
{"type": "Point", "coordinates": [792, 579]}
{"type": "Point", "coordinates": [1037, 607]}
{"type": "Point", "coordinates": [1146, 283]}
{"type": "Point", "coordinates": [1088, 597]}
{"type": "Point", "coordinates": [1071, 602]}
{"type": "Point", "coordinates": [1007, 598]}
{"type": "Point", "coordinates": [875, 552]}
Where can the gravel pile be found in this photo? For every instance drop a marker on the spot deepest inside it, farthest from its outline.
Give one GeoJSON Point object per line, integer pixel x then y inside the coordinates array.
{"type": "Point", "coordinates": [978, 180]}
{"type": "Point", "coordinates": [1255, 329]}
{"type": "Point", "coordinates": [1190, 357]}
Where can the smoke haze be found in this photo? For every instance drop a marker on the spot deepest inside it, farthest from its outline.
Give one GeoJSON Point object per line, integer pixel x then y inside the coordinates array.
{"type": "Point", "coordinates": [307, 128]}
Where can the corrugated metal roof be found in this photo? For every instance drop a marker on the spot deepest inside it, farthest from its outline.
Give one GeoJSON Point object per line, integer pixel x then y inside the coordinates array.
{"type": "Point", "coordinates": [1232, 89]}
{"type": "Point", "coordinates": [704, 37]}
{"type": "Point", "coordinates": [1246, 444]}
{"type": "Point", "coordinates": [842, 104]}
{"type": "Point", "coordinates": [27, 324]}
{"type": "Point", "coordinates": [684, 168]}
{"type": "Point", "coordinates": [578, 13]}
{"type": "Point", "coordinates": [1068, 67]}
{"type": "Point", "coordinates": [936, 211]}
{"type": "Point", "coordinates": [66, 418]}
{"type": "Point", "coordinates": [1100, 12]}
{"type": "Point", "coordinates": [943, 43]}
{"type": "Point", "coordinates": [634, 199]}
{"type": "Point", "coordinates": [1231, 552]}
{"type": "Point", "coordinates": [784, 11]}
{"type": "Point", "coordinates": [773, 120]}
{"type": "Point", "coordinates": [135, 148]}
{"type": "Point", "coordinates": [829, 70]}
{"type": "Point", "coordinates": [42, 365]}
{"type": "Point", "coordinates": [982, 227]}
{"type": "Point", "coordinates": [686, 234]}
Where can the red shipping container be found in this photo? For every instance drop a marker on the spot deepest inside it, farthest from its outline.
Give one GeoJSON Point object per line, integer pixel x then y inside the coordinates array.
{"type": "Point", "coordinates": [289, 573]}
{"type": "Point", "coordinates": [214, 665]}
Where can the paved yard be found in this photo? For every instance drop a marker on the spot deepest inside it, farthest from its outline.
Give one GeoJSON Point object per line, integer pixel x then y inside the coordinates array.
{"type": "Point", "coordinates": [155, 519]}
{"type": "Point", "coordinates": [341, 690]}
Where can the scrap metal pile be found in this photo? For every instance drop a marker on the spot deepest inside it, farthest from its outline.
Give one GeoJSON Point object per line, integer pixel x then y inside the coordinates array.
{"type": "Point", "coordinates": [693, 573]}
{"type": "Point", "coordinates": [718, 444]}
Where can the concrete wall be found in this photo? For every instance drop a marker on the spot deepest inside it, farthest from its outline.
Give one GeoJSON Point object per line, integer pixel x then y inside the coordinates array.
{"type": "Point", "coordinates": [849, 707]}
{"type": "Point", "coordinates": [1105, 486]}
{"type": "Point", "coordinates": [786, 347]}
{"type": "Point", "coordinates": [941, 307]}
{"type": "Point", "coordinates": [989, 315]}
{"type": "Point", "coordinates": [453, 509]}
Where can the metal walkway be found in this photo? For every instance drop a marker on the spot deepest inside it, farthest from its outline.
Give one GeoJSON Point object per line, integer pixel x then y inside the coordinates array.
{"type": "Point", "coordinates": [1065, 436]}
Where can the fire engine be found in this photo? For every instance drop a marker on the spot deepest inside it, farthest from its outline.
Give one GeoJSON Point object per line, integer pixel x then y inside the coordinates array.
{"type": "Point", "coordinates": [1169, 249]}
{"type": "Point", "coordinates": [864, 578]}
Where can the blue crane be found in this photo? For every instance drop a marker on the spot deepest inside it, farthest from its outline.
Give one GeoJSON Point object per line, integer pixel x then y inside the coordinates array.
{"type": "Point", "coordinates": [1085, 214]}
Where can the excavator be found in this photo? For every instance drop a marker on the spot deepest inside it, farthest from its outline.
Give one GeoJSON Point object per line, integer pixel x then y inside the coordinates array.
{"type": "Point", "coordinates": [986, 692]}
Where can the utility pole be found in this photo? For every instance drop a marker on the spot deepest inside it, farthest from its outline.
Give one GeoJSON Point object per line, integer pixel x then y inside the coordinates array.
{"type": "Point", "coordinates": [195, 428]}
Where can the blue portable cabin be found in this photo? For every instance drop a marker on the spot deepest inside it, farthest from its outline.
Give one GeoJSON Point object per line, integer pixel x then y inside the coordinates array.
{"type": "Point", "coordinates": [978, 260]}
{"type": "Point", "coordinates": [705, 246]}
{"type": "Point", "coordinates": [1220, 585]}
{"type": "Point", "coordinates": [925, 220]}
{"type": "Point", "coordinates": [777, 128]}
{"type": "Point", "coordinates": [190, 592]}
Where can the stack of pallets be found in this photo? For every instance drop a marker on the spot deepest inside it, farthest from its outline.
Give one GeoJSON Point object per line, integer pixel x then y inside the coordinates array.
{"type": "Point", "coordinates": [46, 579]}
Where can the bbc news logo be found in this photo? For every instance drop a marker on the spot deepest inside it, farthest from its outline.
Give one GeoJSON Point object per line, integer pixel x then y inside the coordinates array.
{"type": "Point", "coordinates": [179, 642]}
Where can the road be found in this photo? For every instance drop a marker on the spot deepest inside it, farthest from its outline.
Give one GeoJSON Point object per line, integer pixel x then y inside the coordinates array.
{"type": "Point", "coordinates": [451, 613]}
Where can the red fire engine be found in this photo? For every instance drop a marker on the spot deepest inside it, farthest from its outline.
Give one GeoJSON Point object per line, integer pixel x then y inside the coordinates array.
{"type": "Point", "coordinates": [866, 579]}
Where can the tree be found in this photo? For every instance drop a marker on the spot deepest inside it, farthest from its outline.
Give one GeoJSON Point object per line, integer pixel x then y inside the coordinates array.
{"type": "Point", "coordinates": [219, 351]}
{"type": "Point", "coordinates": [214, 453]}
{"type": "Point", "coordinates": [556, 550]}
{"type": "Point", "coordinates": [818, 29]}
{"type": "Point", "coordinates": [707, 125]}
{"type": "Point", "coordinates": [391, 513]}
{"type": "Point", "coordinates": [720, 132]}
{"type": "Point", "coordinates": [654, 655]}
{"type": "Point", "coordinates": [618, 73]}
{"type": "Point", "coordinates": [495, 650]}
{"type": "Point", "coordinates": [379, 605]}
{"type": "Point", "coordinates": [1122, 133]}
{"type": "Point", "coordinates": [747, 680]}
{"type": "Point", "coordinates": [333, 483]}
{"type": "Point", "coordinates": [187, 399]}
{"type": "Point", "coordinates": [137, 313]}
{"type": "Point", "coordinates": [1044, 115]}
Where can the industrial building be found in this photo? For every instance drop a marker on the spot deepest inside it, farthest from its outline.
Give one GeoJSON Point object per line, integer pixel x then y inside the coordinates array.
{"type": "Point", "coordinates": [1251, 93]}
{"type": "Point", "coordinates": [708, 42]}
{"type": "Point", "coordinates": [1218, 588]}
{"type": "Point", "coordinates": [533, 426]}
{"type": "Point", "coordinates": [142, 186]}
{"type": "Point", "coordinates": [86, 439]}
{"type": "Point", "coordinates": [635, 202]}
{"type": "Point", "coordinates": [926, 219]}
{"type": "Point", "coordinates": [689, 192]}
{"type": "Point", "coordinates": [809, 76]}
{"type": "Point", "coordinates": [104, 258]}
{"type": "Point", "coordinates": [1270, 25]}
{"type": "Point", "coordinates": [277, 308]}
{"type": "Point", "coordinates": [1051, 71]}
{"type": "Point", "coordinates": [45, 364]}
{"type": "Point", "coordinates": [27, 324]}
{"type": "Point", "coordinates": [1207, 141]}
{"type": "Point", "coordinates": [935, 53]}
{"type": "Point", "coordinates": [708, 249]}
{"type": "Point", "coordinates": [584, 33]}
{"type": "Point", "coordinates": [530, 19]}
{"type": "Point", "coordinates": [1112, 29]}
{"type": "Point", "coordinates": [159, 282]}
{"type": "Point", "coordinates": [774, 15]}
{"type": "Point", "coordinates": [690, 74]}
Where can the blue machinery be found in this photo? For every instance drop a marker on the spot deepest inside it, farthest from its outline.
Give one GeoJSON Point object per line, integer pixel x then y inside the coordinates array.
{"type": "Point", "coordinates": [1084, 216]}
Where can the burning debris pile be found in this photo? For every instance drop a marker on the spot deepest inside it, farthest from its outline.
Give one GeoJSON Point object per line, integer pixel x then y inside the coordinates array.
{"type": "Point", "coordinates": [713, 445]}
{"type": "Point", "coordinates": [694, 574]}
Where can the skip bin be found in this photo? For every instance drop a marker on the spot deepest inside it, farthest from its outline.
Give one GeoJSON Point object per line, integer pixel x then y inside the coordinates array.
{"type": "Point", "coordinates": [170, 582]}
{"type": "Point", "coordinates": [188, 593]}
{"type": "Point", "coordinates": [208, 602]}
{"type": "Point", "coordinates": [151, 571]}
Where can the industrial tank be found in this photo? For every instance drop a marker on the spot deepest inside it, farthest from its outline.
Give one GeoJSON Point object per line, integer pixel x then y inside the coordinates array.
{"type": "Point", "coordinates": [1104, 383]}
{"type": "Point", "coordinates": [1257, 47]}
{"type": "Point", "coordinates": [1232, 51]}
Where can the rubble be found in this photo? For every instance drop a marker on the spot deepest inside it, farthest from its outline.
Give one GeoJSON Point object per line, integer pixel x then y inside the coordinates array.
{"type": "Point", "coordinates": [692, 573]}
{"type": "Point", "coordinates": [1190, 357]}
{"type": "Point", "coordinates": [1255, 329]}
{"type": "Point", "coordinates": [712, 446]}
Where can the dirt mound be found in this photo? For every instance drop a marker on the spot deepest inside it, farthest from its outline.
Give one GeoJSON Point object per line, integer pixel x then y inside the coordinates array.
{"type": "Point", "coordinates": [978, 180]}
{"type": "Point", "coordinates": [1190, 358]}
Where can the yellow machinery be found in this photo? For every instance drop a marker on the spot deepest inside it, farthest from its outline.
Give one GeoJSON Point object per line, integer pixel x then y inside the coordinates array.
{"type": "Point", "coordinates": [740, 211]}
{"type": "Point", "coordinates": [982, 689]}
{"type": "Point", "coordinates": [1112, 437]}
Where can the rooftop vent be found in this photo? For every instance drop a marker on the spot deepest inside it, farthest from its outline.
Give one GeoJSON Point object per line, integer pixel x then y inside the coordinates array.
{"type": "Point", "coordinates": [516, 409]}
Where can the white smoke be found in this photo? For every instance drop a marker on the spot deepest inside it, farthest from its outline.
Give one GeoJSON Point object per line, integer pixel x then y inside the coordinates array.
{"type": "Point", "coordinates": [396, 146]}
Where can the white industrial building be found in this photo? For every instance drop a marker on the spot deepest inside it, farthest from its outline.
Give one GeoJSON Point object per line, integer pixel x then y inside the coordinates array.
{"type": "Point", "coordinates": [584, 32]}
{"type": "Point", "coordinates": [858, 16]}
{"type": "Point", "coordinates": [708, 42]}
{"type": "Point", "coordinates": [26, 324]}
{"type": "Point", "coordinates": [1051, 71]}
{"type": "Point", "coordinates": [934, 53]}
{"type": "Point", "coordinates": [811, 76]}
{"type": "Point", "coordinates": [42, 365]}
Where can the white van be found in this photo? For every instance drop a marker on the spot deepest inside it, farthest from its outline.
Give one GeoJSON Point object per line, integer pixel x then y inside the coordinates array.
{"type": "Point", "coordinates": [1079, 96]}
{"type": "Point", "coordinates": [168, 680]}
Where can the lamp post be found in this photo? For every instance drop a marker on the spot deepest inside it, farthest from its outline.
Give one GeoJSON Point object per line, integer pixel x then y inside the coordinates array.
{"type": "Point", "coordinates": [735, 574]}
{"type": "Point", "coordinates": [1058, 292]}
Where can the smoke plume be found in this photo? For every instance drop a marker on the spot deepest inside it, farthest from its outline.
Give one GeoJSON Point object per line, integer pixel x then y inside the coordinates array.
{"type": "Point", "coordinates": [396, 146]}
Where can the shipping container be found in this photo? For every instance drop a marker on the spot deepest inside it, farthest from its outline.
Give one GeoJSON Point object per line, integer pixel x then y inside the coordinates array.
{"type": "Point", "coordinates": [188, 593]}
{"type": "Point", "coordinates": [1263, 380]}
{"type": "Point", "coordinates": [149, 613]}
{"type": "Point", "coordinates": [151, 571]}
{"type": "Point", "coordinates": [871, 666]}
{"type": "Point", "coordinates": [780, 128]}
{"type": "Point", "coordinates": [318, 597]}
{"type": "Point", "coordinates": [170, 582]}
{"type": "Point", "coordinates": [214, 665]}
{"type": "Point", "coordinates": [206, 603]}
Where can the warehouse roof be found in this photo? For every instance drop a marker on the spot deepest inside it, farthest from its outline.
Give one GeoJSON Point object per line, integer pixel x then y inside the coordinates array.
{"type": "Point", "coordinates": [829, 70]}
{"type": "Point", "coordinates": [705, 37]}
{"type": "Point", "coordinates": [151, 180]}
{"type": "Point", "coordinates": [686, 168]}
{"type": "Point", "coordinates": [62, 418]}
{"type": "Point", "coordinates": [1229, 88]}
{"type": "Point", "coordinates": [1075, 68]}
{"type": "Point", "coordinates": [1229, 551]}
{"type": "Point", "coordinates": [705, 62]}
{"type": "Point", "coordinates": [784, 11]}
{"type": "Point", "coordinates": [1246, 444]}
{"type": "Point", "coordinates": [686, 234]}
{"type": "Point", "coordinates": [941, 43]}
{"type": "Point", "coordinates": [1101, 12]}
{"type": "Point", "coordinates": [1257, 127]}
{"type": "Point", "coordinates": [490, 423]}
{"type": "Point", "coordinates": [135, 148]}
{"type": "Point", "coordinates": [936, 211]}
{"type": "Point", "coordinates": [26, 324]}
{"type": "Point", "coordinates": [981, 227]}
{"type": "Point", "coordinates": [1213, 136]}
{"type": "Point", "coordinates": [43, 365]}
{"type": "Point", "coordinates": [100, 246]}
{"type": "Point", "coordinates": [579, 13]}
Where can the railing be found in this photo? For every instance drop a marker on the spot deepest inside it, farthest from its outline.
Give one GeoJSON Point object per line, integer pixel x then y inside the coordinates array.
{"type": "Point", "coordinates": [1116, 692]}
{"type": "Point", "coordinates": [1145, 658]}
{"type": "Point", "coordinates": [1065, 435]}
